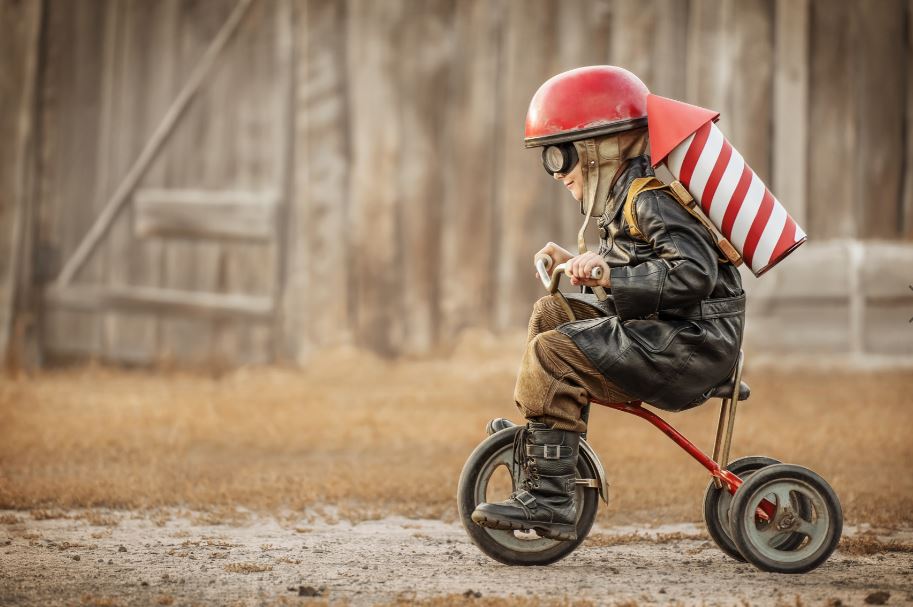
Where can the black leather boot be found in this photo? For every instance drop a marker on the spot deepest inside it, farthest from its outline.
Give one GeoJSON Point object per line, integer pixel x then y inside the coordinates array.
{"type": "Point", "coordinates": [545, 464]}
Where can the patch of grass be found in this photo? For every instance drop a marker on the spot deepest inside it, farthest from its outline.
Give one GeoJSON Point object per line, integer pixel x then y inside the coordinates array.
{"type": "Point", "coordinates": [99, 601]}
{"type": "Point", "coordinates": [478, 600]}
{"type": "Point", "coordinates": [374, 437]}
{"type": "Point", "coordinates": [99, 519]}
{"type": "Point", "coordinates": [9, 519]}
{"type": "Point", "coordinates": [45, 515]}
{"type": "Point", "coordinates": [247, 568]}
{"type": "Point", "coordinates": [867, 545]}
{"type": "Point", "coordinates": [601, 540]}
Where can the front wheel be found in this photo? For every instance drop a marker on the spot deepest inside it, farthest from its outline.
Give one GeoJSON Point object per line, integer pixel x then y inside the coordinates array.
{"type": "Point", "coordinates": [794, 500]}
{"type": "Point", "coordinates": [516, 547]}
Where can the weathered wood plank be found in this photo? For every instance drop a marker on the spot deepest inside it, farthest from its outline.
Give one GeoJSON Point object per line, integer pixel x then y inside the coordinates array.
{"type": "Point", "coordinates": [153, 146]}
{"type": "Point", "coordinates": [907, 222]}
{"type": "Point", "coordinates": [466, 277]}
{"type": "Point", "coordinates": [206, 214]}
{"type": "Point", "coordinates": [585, 36]}
{"type": "Point", "coordinates": [161, 301]}
{"type": "Point", "coordinates": [71, 116]}
{"type": "Point", "coordinates": [375, 164]}
{"type": "Point", "coordinates": [525, 206]}
{"type": "Point", "coordinates": [256, 131]}
{"type": "Point", "coordinates": [197, 265]}
{"type": "Point", "coordinates": [20, 27]}
{"type": "Point", "coordinates": [833, 149]}
{"type": "Point", "coordinates": [730, 68]}
{"type": "Point", "coordinates": [881, 89]}
{"type": "Point", "coordinates": [650, 38]}
{"type": "Point", "coordinates": [320, 292]}
{"type": "Point", "coordinates": [425, 48]}
{"type": "Point", "coordinates": [282, 345]}
{"type": "Point", "coordinates": [671, 48]}
{"type": "Point", "coordinates": [790, 112]}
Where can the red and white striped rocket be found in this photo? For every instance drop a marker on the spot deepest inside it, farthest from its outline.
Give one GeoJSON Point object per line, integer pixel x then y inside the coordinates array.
{"type": "Point", "coordinates": [731, 195]}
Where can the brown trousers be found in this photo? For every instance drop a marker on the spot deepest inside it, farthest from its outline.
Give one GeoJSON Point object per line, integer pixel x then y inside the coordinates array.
{"type": "Point", "coordinates": [556, 378]}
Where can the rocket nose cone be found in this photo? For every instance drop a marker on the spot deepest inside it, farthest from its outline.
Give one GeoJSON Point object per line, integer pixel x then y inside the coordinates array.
{"type": "Point", "coordinates": [670, 122]}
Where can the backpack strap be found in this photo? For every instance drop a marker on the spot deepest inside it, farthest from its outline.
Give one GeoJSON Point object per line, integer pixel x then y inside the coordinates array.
{"type": "Point", "coordinates": [641, 184]}
{"type": "Point", "coordinates": [684, 198]}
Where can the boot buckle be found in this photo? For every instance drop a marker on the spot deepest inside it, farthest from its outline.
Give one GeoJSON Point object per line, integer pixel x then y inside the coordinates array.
{"type": "Point", "coordinates": [547, 451]}
{"type": "Point", "coordinates": [526, 498]}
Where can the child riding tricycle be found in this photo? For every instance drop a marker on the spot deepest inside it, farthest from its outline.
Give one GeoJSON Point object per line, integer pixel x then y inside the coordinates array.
{"type": "Point", "coordinates": [660, 322]}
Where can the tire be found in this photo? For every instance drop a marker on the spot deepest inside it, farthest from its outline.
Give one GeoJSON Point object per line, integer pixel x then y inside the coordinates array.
{"type": "Point", "coordinates": [507, 546]}
{"type": "Point", "coordinates": [717, 501]}
{"type": "Point", "coordinates": [820, 521]}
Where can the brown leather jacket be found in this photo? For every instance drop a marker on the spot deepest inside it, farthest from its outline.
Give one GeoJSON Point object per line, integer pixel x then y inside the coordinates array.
{"type": "Point", "coordinates": [675, 313]}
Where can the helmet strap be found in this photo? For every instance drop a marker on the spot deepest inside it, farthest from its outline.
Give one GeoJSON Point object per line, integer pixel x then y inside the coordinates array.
{"type": "Point", "coordinates": [590, 160]}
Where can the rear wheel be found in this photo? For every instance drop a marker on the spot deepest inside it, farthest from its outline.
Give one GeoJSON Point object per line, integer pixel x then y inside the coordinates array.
{"type": "Point", "coordinates": [796, 501]}
{"type": "Point", "coordinates": [516, 547]}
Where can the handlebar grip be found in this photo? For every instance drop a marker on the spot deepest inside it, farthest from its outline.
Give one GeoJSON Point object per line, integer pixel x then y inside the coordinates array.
{"type": "Point", "coordinates": [545, 258]}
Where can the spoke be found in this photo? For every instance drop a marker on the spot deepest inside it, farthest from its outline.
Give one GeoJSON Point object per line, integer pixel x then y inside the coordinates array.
{"type": "Point", "coordinates": [769, 533]}
{"type": "Point", "coordinates": [807, 528]}
{"type": "Point", "coordinates": [784, 497]}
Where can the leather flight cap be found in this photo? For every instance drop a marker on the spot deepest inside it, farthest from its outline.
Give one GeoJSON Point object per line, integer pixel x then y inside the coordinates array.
{"type": "Point", "coordinates": [548, 451]}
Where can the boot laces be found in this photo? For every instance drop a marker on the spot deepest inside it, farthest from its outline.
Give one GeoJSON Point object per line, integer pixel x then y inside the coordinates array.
{"type": "Point", "coordinates": [524, 463]}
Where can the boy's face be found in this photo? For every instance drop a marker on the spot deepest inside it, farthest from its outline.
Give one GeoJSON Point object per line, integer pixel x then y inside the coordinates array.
{"type": "Point", "coordinates": [573, 181]}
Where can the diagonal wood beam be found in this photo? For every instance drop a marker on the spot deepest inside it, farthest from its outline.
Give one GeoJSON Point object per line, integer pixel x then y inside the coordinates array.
{"type": "Point", "coordinates": [153, 146]}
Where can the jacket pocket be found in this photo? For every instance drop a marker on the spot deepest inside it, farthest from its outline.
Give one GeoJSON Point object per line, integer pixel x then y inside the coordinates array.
{"type": "Point", "coordinates": [656, 336]}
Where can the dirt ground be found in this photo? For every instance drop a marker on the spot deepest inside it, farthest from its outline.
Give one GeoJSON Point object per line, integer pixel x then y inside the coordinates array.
{"type": "Point", "coordinates": [110, 558]}
{"type": "Point", "coordinates": [342, 476]}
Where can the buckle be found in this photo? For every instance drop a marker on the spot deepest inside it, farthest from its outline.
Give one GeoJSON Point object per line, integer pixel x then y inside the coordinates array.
{"type": "Point", "coordinates": [546, 451]}
{"type": "Point", "coordinates": [526, 498]}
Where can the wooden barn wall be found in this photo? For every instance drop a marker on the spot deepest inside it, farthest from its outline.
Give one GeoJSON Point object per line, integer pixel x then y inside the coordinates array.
{"type": "Point", "coordinates": [391, 133]}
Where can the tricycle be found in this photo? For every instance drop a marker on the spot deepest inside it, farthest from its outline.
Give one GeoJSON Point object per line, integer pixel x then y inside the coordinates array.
{"type": "Point", "coordinates": [776, 516]}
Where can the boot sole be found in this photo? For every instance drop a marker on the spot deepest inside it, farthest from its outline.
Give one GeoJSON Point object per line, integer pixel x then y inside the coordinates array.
{"type": "Point", "coordinates": [553, 532]}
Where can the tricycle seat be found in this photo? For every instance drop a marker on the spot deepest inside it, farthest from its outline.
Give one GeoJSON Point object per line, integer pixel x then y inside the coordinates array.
{"type": "Point", "coordinates": [724, 390]}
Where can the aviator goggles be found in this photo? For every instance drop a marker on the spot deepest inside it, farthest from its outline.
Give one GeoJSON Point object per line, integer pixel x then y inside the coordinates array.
{"type": "Point", "coordinates": [559, 158]}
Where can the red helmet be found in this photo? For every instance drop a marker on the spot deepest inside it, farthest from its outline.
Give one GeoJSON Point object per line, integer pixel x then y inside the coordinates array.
{"type": "Point", "coordinates": [586, 102]}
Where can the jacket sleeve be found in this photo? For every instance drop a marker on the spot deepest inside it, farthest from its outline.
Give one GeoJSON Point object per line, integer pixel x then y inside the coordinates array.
{"type": "Point", "coordinates": [682, 271]}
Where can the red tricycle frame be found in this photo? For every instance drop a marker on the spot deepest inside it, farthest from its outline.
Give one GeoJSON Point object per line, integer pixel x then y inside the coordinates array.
{"type": "Point", "coordinates": [721, 452]}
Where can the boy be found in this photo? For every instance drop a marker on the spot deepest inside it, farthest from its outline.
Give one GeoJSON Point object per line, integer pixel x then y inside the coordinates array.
{"type": "Point", "coordinates": [669, 331]}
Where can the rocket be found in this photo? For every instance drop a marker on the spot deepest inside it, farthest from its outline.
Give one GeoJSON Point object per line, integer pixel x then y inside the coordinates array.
{"type": "Point", "coordinates": [729, 193]}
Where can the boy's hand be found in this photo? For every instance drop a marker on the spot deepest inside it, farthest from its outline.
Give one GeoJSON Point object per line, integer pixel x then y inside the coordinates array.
{"type": "Point", "coordinates": [579, 268]}
{"type": "Point", "coordinates": [558, 254]}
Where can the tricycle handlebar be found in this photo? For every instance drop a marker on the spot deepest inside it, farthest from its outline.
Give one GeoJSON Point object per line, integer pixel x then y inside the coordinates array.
{"type": "Point", "coordinates": [550, 282]}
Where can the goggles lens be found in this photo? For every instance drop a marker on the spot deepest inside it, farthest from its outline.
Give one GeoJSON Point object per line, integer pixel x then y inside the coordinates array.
{"type": "Point", "coordinates": [559, 158]}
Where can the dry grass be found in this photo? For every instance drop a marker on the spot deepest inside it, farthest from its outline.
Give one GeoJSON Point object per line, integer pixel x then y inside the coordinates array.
{"type": "Point", "coordinates": [353, 437]}
{"type": "Point", "coordinates": [247, 568]}
{"type": "Point", "coordinates": [606, 539]}
{"type": "Point", "coordinates": [867, 545]}
{"type": "Point", "coordinates": [469, 598]}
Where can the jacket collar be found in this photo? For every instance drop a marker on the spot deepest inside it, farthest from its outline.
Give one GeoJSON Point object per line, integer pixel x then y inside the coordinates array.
{"type": "Point", "coordinates": [638, 166]}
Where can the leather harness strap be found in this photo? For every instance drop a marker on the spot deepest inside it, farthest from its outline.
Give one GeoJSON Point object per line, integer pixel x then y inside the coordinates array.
{"type": "Point", "coordinates": [684, 198]}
